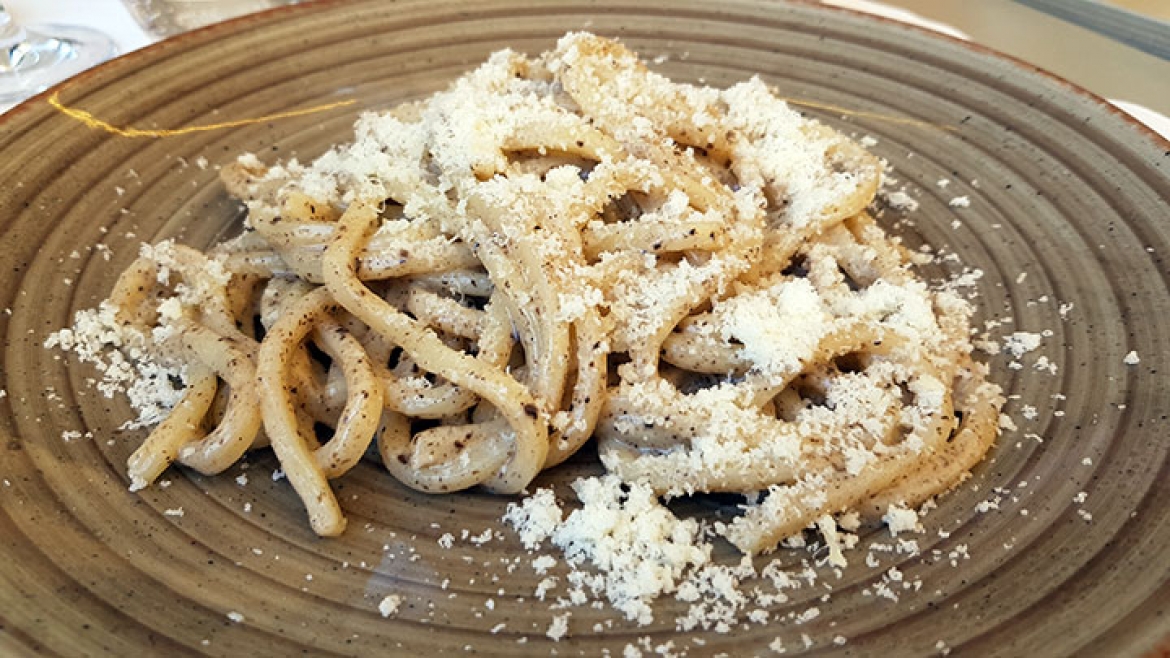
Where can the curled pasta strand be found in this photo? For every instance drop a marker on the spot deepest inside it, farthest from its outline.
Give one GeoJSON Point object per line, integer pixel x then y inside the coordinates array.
{"type": "Point", "coordinates": [946, 467]}
{"type": "Point", "coordinates": [545, 340]}
{"type": "Point", "coordinates": [267, 263]}
{"type": "Point", "coordinates": [237, 430]}
{"type": "Point", "coordinates": [362, 413]}
{"type": "Point", "coordinates": [292, 447]}
{"type": "Point", "coordinates": [216, 310]}
{"type": "Point", "coordinates": [512, 400]}
{"type": "Point", "coordinates": [788, 509]}
{"type": "Point", "coordinates": [425, 257]}
{"type": "Point", "coordinates": [482, 454]}
{"type": "Point", "coordinates": [444, 314]}
{"type": "Point", "coordinates": [322, 402]}
{"type": "Point", "coordinates": [418, 398]}
{"type": "Point", "coordinates": [133, 287]}
{"type": "Point", "coordinates": [574, 427]}
{"type": "Point", "coordinates": [181, 427]}
{"type": "Point", "coordinates": [461, 283]}
{"type": "Point", "coordinates": [656, 236]}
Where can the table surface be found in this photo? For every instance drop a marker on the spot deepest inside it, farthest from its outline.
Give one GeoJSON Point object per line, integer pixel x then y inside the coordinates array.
{"type": "Point", "coordinates": [1087, 57]}
{"type": "Point", "coordinates": [1091, 54]}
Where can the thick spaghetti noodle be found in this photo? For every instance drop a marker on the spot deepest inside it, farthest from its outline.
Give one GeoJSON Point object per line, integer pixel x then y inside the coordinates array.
{"type": "Point", "coordinates": [559, 248]}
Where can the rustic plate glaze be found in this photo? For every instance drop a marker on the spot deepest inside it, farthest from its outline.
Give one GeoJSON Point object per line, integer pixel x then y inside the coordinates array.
{"type": "Point", "coordinates": [1067, 222]}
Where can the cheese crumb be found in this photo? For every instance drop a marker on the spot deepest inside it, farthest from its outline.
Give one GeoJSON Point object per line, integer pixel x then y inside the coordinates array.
{"type": "Point", "coordinates": [543, 563]}
{"type": "Point", "coordinates": [901, 519]}
{"type": "Point", "coordinates": [1021, 342]}
{"type": "Point", "coordinates": [900, 200]}
{"type": "Point", "coordinates": [559, 627]}
{"type": "Point", "coordinates": [389, 605]}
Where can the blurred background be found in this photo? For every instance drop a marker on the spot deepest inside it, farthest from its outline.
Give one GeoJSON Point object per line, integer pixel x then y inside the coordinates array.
{"type": "Point", "coordinates": [1119, 49]}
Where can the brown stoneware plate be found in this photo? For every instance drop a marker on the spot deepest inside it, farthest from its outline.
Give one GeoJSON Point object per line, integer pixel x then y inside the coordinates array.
{"type": "Point", "coordinates": [1067, 222]}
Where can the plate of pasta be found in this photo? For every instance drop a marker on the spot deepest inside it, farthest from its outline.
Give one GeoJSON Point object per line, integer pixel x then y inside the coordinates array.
{"type": "Point", "coordinates": [616, 329]}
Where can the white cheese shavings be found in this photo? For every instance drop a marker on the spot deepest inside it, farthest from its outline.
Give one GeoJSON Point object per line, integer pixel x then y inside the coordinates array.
{"type": "Point", "coordinates": [559, 627]}
{"type": "Point", "coordinates": [535, 518]}
{"type": "Point", "coordinates": [778, 153]}
{"type": "Point", "coordinates": [639, 548]}
{"type": "Point", "coordinates": [828, 528]}
{"type": "Point", "coordinates": [901, 519]}
{"type": "Point", "coordinates": [542, 564]}
{"type": "Point", "coordinates": [778, 327]}
{"type": "Point", "coordinates": [900, 200]}
{"type": "Point", "coordinates": [389, 605]}
{"type": "Point", "coordinates": [1021, 342]}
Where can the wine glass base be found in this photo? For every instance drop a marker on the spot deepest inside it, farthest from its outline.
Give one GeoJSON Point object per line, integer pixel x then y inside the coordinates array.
{"type": "Point", "coordinates": [48, 55]}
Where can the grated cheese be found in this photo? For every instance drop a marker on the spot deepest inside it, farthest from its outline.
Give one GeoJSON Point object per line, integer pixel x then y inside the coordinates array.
{"type": "Point", "coordinates": [1021, 342]}
{"type": "Point", "coordinates": [559, 627]}
{"type": "Point", "coordinates": [389, 605]}
{"type": "Point", "coordinates": [900, 519]}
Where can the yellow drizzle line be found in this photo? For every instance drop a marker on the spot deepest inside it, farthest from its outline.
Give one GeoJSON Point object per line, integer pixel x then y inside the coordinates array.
{"type": "Point", "coordinates": [870, 115]}
{"type": "Point", "coordinates": [94, 122]}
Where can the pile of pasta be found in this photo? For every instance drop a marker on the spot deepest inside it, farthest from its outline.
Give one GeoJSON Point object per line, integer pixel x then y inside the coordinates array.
{"type": "Point", "coordinates": [564, 247]}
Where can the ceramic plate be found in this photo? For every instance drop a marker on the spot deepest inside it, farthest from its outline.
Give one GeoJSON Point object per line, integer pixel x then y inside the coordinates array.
{"type": "Point", "coordinates": [1066, 235]}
